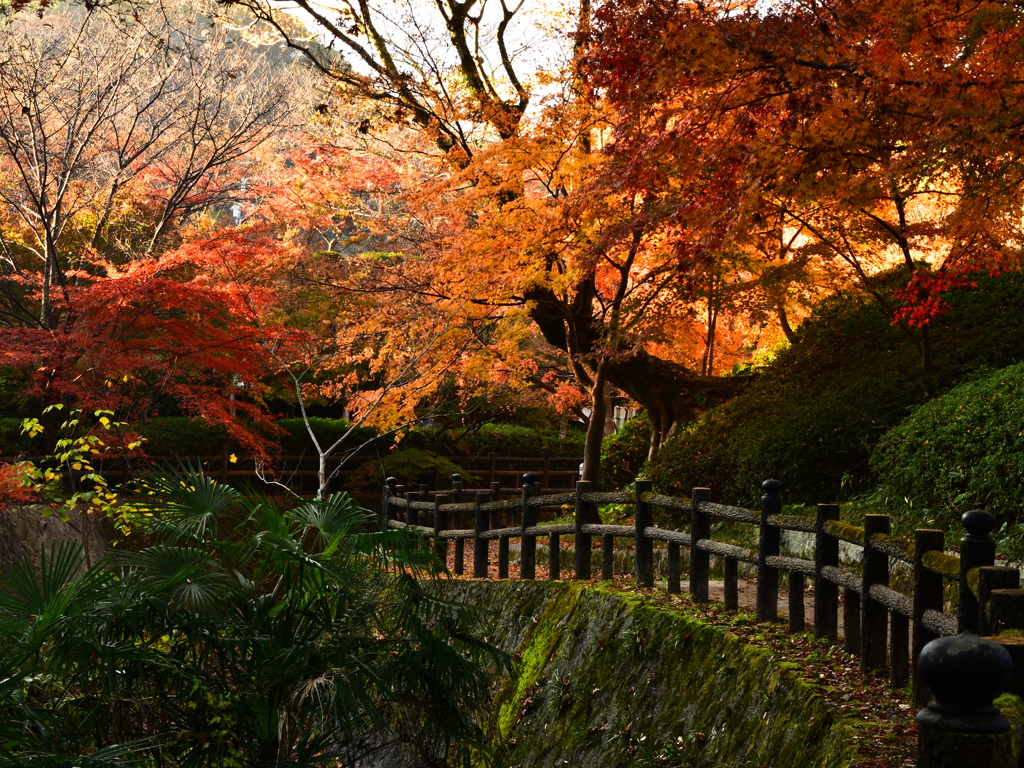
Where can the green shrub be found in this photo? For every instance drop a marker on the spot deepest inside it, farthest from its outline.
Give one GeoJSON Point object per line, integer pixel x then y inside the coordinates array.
{"type": "Point", "coordinates": [499, 439]}
{"type": "Point", "coordinates": [624, 452]}
{"type": "Point", "coordinates": [411, 466]}
{"type": "Point", "coordinates": [812, 416]}
{"type": "Point", "coordinates": [296, 441]}
{"type": "Point", "coordinates": [181, 436]}
{"type": "Point", "coordinates": [960, 451]}
{"type": "Point", "coordinates": [503, 440]}
{"type": "Point", "coordinates": [12, 441]}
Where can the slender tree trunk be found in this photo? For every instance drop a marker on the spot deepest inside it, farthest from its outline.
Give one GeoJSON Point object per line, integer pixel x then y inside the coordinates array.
{"type": "Point", "coordinates": [595, 428]}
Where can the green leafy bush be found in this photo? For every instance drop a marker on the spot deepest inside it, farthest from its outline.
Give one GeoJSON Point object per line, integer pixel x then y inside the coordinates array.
{"type": "Point", "coordinates": [411, 466]}
{"type": "Point", "coordinates": [295, 441]}
{"type": "Point", "coordinates": [498, 438]}
{"type": "Point", "coordinates": [812, 416]}
{"type": "Point", "coordinates": [181, 436]}
{"type": "Point", "coordinates": [624, 452]}
{"type": "Point", "coordinates": [240, 634]}
{"type": "Point", "coordinates": [515, 440]}
{"type": "Point", "coordinates": [12, 441]}
{"type": "Point", "coordinates": [960, 451]}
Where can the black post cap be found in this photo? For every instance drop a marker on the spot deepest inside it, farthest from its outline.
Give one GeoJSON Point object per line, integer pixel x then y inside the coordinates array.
{"type": "Point", "coordinates": [772, 487]}
{"type": "Point", "coordinates": [965, 674]}
{"type": "Point", "coordinates": [529, 479]}
{"type": "Point", "coordinates": [979, 523]}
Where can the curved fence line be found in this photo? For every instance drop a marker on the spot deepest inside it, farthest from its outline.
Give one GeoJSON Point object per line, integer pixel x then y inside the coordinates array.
{"type": "Point", "coordinates": [885, 626]}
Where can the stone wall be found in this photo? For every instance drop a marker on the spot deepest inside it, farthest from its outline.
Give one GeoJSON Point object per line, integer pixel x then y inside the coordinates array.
{"type": "Point", "coordinates": [607, 682]}
{"type": "Point", "coordinates": [26, 530]}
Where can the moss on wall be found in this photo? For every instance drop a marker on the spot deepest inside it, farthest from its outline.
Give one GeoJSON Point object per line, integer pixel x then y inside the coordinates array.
{"type": "Point", "coordinates": [608, 682]}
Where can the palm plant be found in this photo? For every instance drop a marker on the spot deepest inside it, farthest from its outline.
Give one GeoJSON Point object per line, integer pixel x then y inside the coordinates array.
{"type": "Point", "coordinates": [243, 634]}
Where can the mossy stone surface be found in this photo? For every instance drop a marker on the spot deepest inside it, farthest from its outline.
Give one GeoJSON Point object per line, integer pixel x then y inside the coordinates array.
{"type": "Point", "coordinates": [609, 682]}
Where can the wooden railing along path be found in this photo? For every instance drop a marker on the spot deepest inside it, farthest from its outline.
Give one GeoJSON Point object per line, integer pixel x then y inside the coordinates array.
{"type": "Point", "coordinates": [885, 626]}
{"type": "Point", "coordinates": [300, 473]}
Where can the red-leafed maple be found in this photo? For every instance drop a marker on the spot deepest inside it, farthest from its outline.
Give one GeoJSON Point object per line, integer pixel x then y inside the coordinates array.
{"type": "Point", "coordinates": [164, 328]}
{"type": "Point", "coordinates": [876, 132]}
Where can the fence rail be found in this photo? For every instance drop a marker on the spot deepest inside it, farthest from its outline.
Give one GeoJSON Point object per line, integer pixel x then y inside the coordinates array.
{"type": "Point", "coordinates": [885, 626]}
{"type": "Point", "coordinates": [300, 473]}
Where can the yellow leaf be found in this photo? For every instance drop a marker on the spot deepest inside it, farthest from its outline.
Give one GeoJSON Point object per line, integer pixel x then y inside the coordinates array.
{"type": "Point", "coordinates": [76, 465]}
{"type": "Point", "coordinates": [233, 459]}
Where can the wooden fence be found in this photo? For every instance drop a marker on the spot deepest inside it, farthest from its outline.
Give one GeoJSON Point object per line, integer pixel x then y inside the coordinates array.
{"type": "Point", "coordinates": [885, 626]}
{"type": "Point", "coordinates": [300, 473]}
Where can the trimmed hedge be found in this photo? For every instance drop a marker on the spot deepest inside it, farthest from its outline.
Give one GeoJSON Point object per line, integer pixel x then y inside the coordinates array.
{"type": "Point", "coordinates": [812, 416]}
{"type": "Point", "coordinates": [181, 436]}
{"type": "Point", "coordinates": [515, 440]}
{"type": "Point", "coordinates": [296, 441]}
{"type": "Point", "coordinates": [960, 451]}
{"type": "Point", "coordinates": [624, 452]}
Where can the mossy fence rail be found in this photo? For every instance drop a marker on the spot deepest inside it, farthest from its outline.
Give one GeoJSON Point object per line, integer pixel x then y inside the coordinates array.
{"type": "Point", "coordinates": [886, 627]}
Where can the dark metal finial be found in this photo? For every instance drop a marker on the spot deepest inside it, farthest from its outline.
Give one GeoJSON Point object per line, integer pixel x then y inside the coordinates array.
{"type": "Point", "coordinates": [965, 673]}
{"type": "Point", "coordinates": [529, 479]}
{"type": "Point", "coordinates": [979, 523]}
{"type": "Point", "coordinates": [772, 487]}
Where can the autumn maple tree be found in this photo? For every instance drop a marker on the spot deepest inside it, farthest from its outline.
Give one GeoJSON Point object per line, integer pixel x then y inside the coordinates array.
{"type": "Point", "coordinates": [125, 138]}
{"type": "Point", "coordinates": [867, 134]}
{"type": "Point", "coordinates": [166, 328]}
{"type": "Point", "coordinates": [508, 230]}
{"type": "Point", "coordinates": [114, 130]}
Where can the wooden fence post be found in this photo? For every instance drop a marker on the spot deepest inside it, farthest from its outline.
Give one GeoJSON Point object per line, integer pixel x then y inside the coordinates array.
{"type": "Point", "coordinates": [388, 510]}
{"type": "Point", "coordinates": [528, 545]}
{"type": "Point", "coordinates": [554, 557]}
{"type": "Point", "coordinates": [991, 578]}
{"type": "Point", "coordinates": [873, 615]}
{"type": "Point", "coordinates": [496, 522]}
{"type": "Point", "coordinates": [400, 493]}
{"type": "Point", "coordinates": [411, 515]}
{"type": "Point", "coordinates": [769, 545]}
{"type": "Point", "coordinates": [826, 593]}
{"type": "Point", "coordinates": [961, 725]}
{"type": "Point", "coordinates": [481, 546]}
{"type": "Point", "coordinates": [700, 528]}
{"type": "Point", "coordinates": [644, 546]}
{"type": "Point", "coordinates": [456, 523]}
{"type": "Point", "coordinates": [456, 487]}
{"type": "Point", "coordinates": [797, 617]}
{"type": "Point", "coordinates": [927, 597]}
{"type": "Point", "coordinates": [441, 524]}
{"type": "Point", "coordinates": [584, 544]}
{"type": "Point", "coordinates": [607, 557]}
{"type": "Point", "coordinates": [977, 549]}
{"type": "Point", "coordinates": [731, 579]}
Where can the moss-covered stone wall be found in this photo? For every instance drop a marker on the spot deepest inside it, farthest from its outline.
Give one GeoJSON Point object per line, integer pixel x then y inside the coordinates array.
{"type": "Point", "coordinates": [605, 681]}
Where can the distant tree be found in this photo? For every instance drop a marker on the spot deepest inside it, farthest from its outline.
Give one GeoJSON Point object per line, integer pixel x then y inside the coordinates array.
{"type": "Point", "coordinates": [113, 128]}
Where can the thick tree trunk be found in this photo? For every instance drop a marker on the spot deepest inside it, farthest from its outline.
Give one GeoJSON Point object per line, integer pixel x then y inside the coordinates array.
{"type": "Point", "coordinates": [671, 393]}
